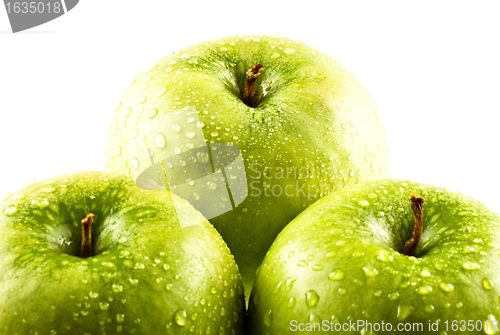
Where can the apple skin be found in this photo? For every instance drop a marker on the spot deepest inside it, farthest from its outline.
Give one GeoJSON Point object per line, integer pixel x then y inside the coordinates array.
{"type": "Point", "coordinates": [340, 261]}
{"type": "Point", "coordinates": [315, 121]}
{"type": "Point", "coordinates": [149, 276]}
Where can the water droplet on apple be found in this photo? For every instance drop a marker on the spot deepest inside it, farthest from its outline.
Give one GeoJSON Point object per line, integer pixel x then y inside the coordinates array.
{"type": "Point", "coordinates": [176, 127]}
{"type": "Point", "coordinates": [180, 317]}
{"type": "Point", "coordinates": [491, 325]}
{"type": "Point", "coordinates": [152, 113]}
{"type": "Point", "coordinates": [11, 210]}
{"type": "Point", "coordinates": [423, 290]}
{"type": "Point", "coordinates": [312, 298]}
{"type": "Point", "coordinates": [268, 318]}
{"type": "Point", "coordinates": [104, 306]}
{"type": "Point", "coordinates": [487, 284]}
{"type": "Point", "coordinates": [289, 51]}
{"type": "Point", "coordinates": [47, 190]}
{"type": "Point", "coordinates": [289, 284]}
{"type": "Point", "coordinates": [160, 140]}
{"type": "Point", "coordinates": [117, 288]}
{"type": "Point", "coordinates": [403, 312]}
{"type": "Point", "coordinates": [190, 134]}
{"type": "Point", "coordinates": [177, 150]}
{"type": "Point", "coordinates": [40, 203]}
{"type": "Point", "coordinates": [291, 302]}
{"type": "Point", "coordinates": [302, 263]}
{"type": "Point", "coordinates": [370, 271]}
{"type": "Point", "coordinates": [93, 295]}
{"type": "Point", "coordinates": [211, 185]}
{"type": "Point", "coordinates": [393, 296]}
{"type": "Point", "coordinates": [134, 163]}
{"type": "Point", "coordinates": [429, 309]}
{"type": "Point", "coordinates": [470, 266]}
{"type": "Point", "coordinates": [425, 273]}
{"type": "Point", "coordinates": [120, 318]}
{"type": "Point", "coordinates": [363, 203]}
{"type": "Point", "coordinates": [336, 275]}
{"type": "Point", "coordinates": [162, 92]}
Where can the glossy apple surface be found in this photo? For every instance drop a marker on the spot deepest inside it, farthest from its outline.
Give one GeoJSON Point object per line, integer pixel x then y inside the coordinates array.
{"type": "Point", "coordinates": [311, 129]}
{"type": "Point", "coordinates": [147, 274]}
{"type": "Point", "coordinates": [341, 261]}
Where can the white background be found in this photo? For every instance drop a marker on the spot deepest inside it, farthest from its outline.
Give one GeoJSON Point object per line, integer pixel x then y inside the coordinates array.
{"type": "Point", "coordinates": [433, 68]}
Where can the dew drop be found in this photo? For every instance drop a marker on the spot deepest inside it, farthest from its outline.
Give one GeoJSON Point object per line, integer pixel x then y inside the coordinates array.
{"type": "Point", "coordinates": [176, 127]}
{"type": "Point", "coordinates": [120, 318]}
{"type": "Point", "coordinates": [363, 203]}
{"type": "Point", "coordinates": [487, 284]}
{"type": "Point", "coordinates": [134, 163]}
{"type": "Point", "coordinates": [152, 113]}
{"type": "Point", "coordinates": [423, 290]}
{"type": "Point", "coordinates": [429, 309]}
{"type": "Point", "coordinates": [162, 92]}
{"type": "Point", "coordinates": [403, 312]}
{"type": "Point", "coordinates": [336, 275]}
{"type": "Point", "coordinates": [370, 271]}
{"type": "Point", "coordinates": [302, 263]}
{"type": "Point", "coordinates": [312, 298]}
{"type": "Point", "coordinates": [491, 325]}
{"type": "Point", "coordinates": [180, 317]}
{"type": "Point", "coordinates": [11, 210]}
{"type": "Point", "coordinates": [425, 273]}
{"type": "Point", "coordinates": [393, 296]}
{"type": "Point", "coordinates": [117, 288]}
{"type": "Point", "coordinates": [268, 318]}
{"type": "Point", "coordinates": [470, 266]}
{"type": "Point", "coordinates": [160, 140]}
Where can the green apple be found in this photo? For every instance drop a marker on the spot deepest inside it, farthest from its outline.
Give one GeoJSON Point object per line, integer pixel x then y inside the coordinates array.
{"type": "Point", "coordinates": [341, 265]}
{"type": "Point", "coordinates": [91, 253]}
{"type": "Point", "coordinates": [303, 125]}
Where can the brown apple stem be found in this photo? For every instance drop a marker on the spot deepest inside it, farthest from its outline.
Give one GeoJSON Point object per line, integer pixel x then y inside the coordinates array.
{"type": "Point", "coordinates": [251, 78]}
{"type": "Point", "coordinates": [86, 250]}
{"type": "Point", "coordinates": [417, 205]}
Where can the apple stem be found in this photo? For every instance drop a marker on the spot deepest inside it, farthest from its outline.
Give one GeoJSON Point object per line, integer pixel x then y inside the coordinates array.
{"type": "Point", "coordinates": [417, 205]}
{"type": "Point", "coordinates": [251, 78]}
{"type": "Point", "coordinates": [86, 250]}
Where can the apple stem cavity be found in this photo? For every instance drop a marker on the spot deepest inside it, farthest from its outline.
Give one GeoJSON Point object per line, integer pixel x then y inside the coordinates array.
{"type": "Point", "coordinates": [86, 250]}
{"type": "Point", "coordinates": [417, 205]}
{"type": "Point", "coordinates": [251, 79]}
